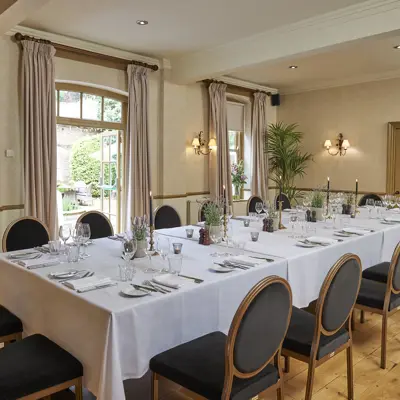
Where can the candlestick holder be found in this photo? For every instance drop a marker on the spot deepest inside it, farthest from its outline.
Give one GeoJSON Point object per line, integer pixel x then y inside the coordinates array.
{"type": "Point", "coordinates": [151, 238]}
{"type": "Point", "coordinates": [225, 227]}
{"type": "Point", "coordinates": [281, 226]}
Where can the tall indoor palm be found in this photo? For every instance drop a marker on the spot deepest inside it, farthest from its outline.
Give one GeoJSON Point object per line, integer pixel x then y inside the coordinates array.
{"type": "Point", "coordinates": [283, 145]}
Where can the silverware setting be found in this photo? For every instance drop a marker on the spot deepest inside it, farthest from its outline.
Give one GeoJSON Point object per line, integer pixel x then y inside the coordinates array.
{"type": "Point", "coordinates": [196, 280]}
{"type": "Point", "coordinates": [156, 287]}
{"type": "Point", "coordinates": [142, 289]}
{"type": "Point", "coordinates": [263, 258]}
{"type": "Point", "coordinates": [42, 249]}
{"type": "Point", "coordinates": [232, 265]}
{"type": "Point", "coordinates": [27, 256]}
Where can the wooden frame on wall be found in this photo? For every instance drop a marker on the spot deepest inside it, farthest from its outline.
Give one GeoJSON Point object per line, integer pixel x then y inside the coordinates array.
{"type": "Point", "coordinates": [391, 156]}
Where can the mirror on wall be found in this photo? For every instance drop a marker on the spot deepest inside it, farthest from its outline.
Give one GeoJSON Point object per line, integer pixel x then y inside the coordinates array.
{"type": "Point", "coordinates": [393, 158]}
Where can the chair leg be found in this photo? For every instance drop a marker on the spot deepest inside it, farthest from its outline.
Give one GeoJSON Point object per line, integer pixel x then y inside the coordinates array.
{"type": "Point", "coordinates": [310, 380]}
{"type": "Point", "coordinates": [287, 364]}
{"type": "Point", "coordinates": [350, 384]}
{"type": "Point", "coordinates": [280, 392]}
{"type": "Point", "coordinates": [154, 387]}
{"type": "Point", "coordinates": [384, 341]}
{"type": "Point", "coordinates": [353, 321]}
{"type": "Point", "coordinates": [79, 390]}
{"type": "Point", "coordinates": [362, 317]}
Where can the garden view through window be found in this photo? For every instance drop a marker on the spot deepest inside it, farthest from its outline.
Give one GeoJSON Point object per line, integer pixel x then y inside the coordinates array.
{"type": "Point", "coordinates": [90, 127]}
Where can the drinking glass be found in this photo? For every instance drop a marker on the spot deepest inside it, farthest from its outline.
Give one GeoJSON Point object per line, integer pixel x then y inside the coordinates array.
{"type": "Point", "coordinates": [293, 220]}
{"type": "Point", "coordinates": [163, 247]}
{"type": "Point", "coordinates": [76, 235]}
{"type": "Point", "coordinates": [254, 236]}
{"type": "Point", "coordinates": [370, 204]}
{"type": "Point", "coordinates": [379, 209]}
{"type": "Point", "coordinates": [266, 206]}
{"type": "Point", "coordinates": [177, 248]}
{"type": "Point", "coordinates": [129, 248]}
{"type": "Point", "coordinates": [85, 238]}
{"type": "Point", "coordinates": [175, 264]}
{"type": "Point", "coordinates": [259, 208]}
{"type": "Point", "coordinates": [64, 233]}
{"type": "Point", "coordinates": [150, 254]}
{"type": "Point", "coordinates": [189, 233]}
{"type": "Point", "coordinates": [54, 247]}
{"type": "Point", "coordinates": [126, 272]}
{"type": "Point", "coordinates": [72, 251]}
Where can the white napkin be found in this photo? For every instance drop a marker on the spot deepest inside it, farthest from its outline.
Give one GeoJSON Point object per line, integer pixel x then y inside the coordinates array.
{"type": "Point", "coordinates": [41, 262]}
{"type": "Point", "coordinates": [170, 280]}
{"type": "Point", "coordinates": [201, 224]}
{"type": "Point", "coordinates": [394, 218]}
{"type": "Point", "coordinates": [321, 240]}
{"type": "Point", "coordinates": [357, 231]}
{"type": "Point", "coordinates": [245, 260]}
{"type": "Point", "coordinates": [89, 283]}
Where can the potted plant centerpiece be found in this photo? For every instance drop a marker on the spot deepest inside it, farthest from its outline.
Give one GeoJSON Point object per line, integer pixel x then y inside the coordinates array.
{"type": "Point", "coordinates": [213, 220]}
{"type": "Point", "coordinates": [317, 204]}
{"type": "Point", "coordinates": [239, 179]}
{"type": "Point", "coordinates": [139, 231]}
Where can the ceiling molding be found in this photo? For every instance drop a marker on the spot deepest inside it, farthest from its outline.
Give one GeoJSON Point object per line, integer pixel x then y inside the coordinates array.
{"type": "Point", "coordinates": [246, 84]}
{"type": "Point", "coordinates": [362, 20]}
{"type": "Point", "coordinates": [89, 46]}
{"type": "Point", "coordinates": [343, 82]}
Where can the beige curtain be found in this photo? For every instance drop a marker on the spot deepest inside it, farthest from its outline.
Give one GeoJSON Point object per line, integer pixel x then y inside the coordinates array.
{"type": "Point", "coordinates": [40, 137]}
{"type": "Point", "coordinates": [220, 165]}
{"type": "Point", "coordinates": [260, 159]}
{"type": "Point", "coordinates": [137, 166]}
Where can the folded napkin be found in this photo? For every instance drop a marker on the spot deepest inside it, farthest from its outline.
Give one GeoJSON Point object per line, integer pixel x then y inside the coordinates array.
{"type": "Point", "coordinates": [245, 261]}
{"type": "Point", "coordinates": [320, 240]}
{"type": "Point", "coordinates": [170, 280]}
{"type": "Point", "coordinates": [24, 255]}
{"type": "Point", "coordinates": [394, 218]}
{"type": "Point", "coordinates": [357, 231]}
{"type": "Point", "coordinates": [41, 262]}
{"type": "Point", "coordinates": [89, 283]}
{"type": "Point", "coordinates": [201, 224]}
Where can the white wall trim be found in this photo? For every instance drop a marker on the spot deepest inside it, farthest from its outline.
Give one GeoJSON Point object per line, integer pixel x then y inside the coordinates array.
{"type": "Point", "coordinates": [247, 84]}
{"type": "Point", "coordinates": [89, 46]}
{"type": "Point", "coordinates": [94, 85]}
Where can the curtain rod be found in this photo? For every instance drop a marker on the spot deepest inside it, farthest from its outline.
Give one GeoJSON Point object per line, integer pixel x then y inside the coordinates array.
{"type": "Point", "coordinates": [19, 37]}
{"type": "Point", "coordinates": [209, 81]}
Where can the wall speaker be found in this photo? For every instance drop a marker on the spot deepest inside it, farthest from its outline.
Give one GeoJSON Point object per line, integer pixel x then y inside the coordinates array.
{"type": "Point", "coordinates": [275, 99]}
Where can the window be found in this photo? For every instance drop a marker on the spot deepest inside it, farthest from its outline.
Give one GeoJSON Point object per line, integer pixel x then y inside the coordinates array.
{"type": "Point", "coordinates": [235, 146]}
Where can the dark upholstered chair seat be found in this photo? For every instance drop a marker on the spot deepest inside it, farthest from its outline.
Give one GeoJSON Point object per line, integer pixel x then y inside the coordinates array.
{"type": "Point", "coordinates": [372, 294]}
{"type": "Point", "coordinates": [33, 364]}
{"type": "Point", "coordinates": [9, 323]}
{"type": "Point", "coordinates": [199, 366]}
{"type": "Point", "coordinates": [378, 272]}
{"type": "Point", "coordinates": [300, 335]}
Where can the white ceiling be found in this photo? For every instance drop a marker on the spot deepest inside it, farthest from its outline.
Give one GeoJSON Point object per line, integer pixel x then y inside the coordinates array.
{"type": "Point", "coordinates": [175, 26]}
{"type": "Point", "coordinates": [360, 61]}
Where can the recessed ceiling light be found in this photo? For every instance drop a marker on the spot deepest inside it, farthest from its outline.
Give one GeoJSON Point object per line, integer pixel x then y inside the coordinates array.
{"type": "Point", "coordinates": [142, 22]}
{"type": "Point", "coordinates": [293, 66]}
{"type": "Point", "coordinates": [397, 47]}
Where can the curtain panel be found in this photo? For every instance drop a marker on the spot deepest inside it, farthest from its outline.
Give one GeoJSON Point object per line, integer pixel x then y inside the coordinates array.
{"type": "Point", "coordinates": [40, 132]}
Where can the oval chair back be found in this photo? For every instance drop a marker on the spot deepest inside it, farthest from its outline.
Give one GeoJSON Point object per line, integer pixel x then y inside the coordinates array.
{"type": "Point", "coordinates": [372, 196]}
{"type": "Point", "coordinates": [285, 202]}
{"type": "Point", "coordinates": [202, 216]}
{"type": "Point", "coordinates": [257, 331]}
{"type": "Point", "coordinates": [338, 296]}
{"type": "Point", "coordinates": [100, 225]}
{"type": "Point", "coordinates": [394, 274]}
{"type": "Point", "coordinates": [251, 204]}
{"type": "Point", "coordinates": [166, 217]}
{"type": "Point", "coordinates": [25, 233]}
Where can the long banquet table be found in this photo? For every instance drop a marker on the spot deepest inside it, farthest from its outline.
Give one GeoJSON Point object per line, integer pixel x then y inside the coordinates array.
{"type": "Point", "coordinates": [115, 337]}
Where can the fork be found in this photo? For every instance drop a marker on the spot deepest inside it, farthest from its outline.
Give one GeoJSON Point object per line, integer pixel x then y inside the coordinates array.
{"type": "Point", "coordinates": [158, 288]}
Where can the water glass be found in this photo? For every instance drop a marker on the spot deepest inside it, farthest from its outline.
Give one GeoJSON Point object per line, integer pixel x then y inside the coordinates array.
{"type": "Point", "coordinates": [189, 233]}
{"type": "Point", "coordinates": [177, 248]}
{"type": "Point", "coordinates": [64, 233]}
{"type": "Point", "coordinates": [246, 223]}
{"type": "Point", "coordinates": [85, 229]}
{"type": "Point", "coordinates": [129, 248]}
{"type": "Point", "coordinates": [254, 236]}
{"type": "Point", "coordinates": [126, 272]}
{"type": "Point", "coordinates": [175, 264]}
{"type": "Point", "coordinates": [72, 252]}
{"type": "Point", "coordinates": [311, 229]}
{"type": "Point", "coordinates": [54, 247]}
{"type": "Point", "coordinates": [163, 248]}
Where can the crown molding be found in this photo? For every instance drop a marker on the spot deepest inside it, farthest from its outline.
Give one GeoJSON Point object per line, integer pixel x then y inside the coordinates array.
{"type": "Point", "coordinates": [246, 84]}
{"type": "Point", "coordinates": [89, 46]}
{"type": "Point", "coordinates": [358, 21]}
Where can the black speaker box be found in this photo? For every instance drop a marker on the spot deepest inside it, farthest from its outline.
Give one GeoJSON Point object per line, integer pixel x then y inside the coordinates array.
{"type": "Point", "coordinates": [275, 99]}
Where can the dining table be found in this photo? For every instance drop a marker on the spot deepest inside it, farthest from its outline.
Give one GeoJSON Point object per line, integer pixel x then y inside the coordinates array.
{"type": "Point", "coordinates": [115, 336]}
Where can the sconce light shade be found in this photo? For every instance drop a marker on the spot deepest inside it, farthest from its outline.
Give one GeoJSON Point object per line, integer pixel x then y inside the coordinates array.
{"type": "Point", "coordinates": [328, 144]}
{"type": "Point", "coordinates": [345, 144]}
{"type": "Point", "coordinates": [196, 142]}
{"type": "Point", "coordinates": [212, 144]}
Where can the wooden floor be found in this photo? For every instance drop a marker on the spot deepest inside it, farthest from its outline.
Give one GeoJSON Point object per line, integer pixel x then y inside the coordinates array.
{"type": "Point", "coordinates": [370, 382]}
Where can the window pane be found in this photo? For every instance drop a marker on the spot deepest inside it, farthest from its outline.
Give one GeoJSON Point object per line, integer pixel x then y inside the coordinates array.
{"type": "Point", "coordinates": [56, 102]}
{"type": "Point", "coordinates": [233, 156]}
{"type": "Point", "coordinates": [91, 107]}
{"type": "Point", "coordinates": [70, 104]}
{"type": "Point", "coordinates": [232, 139]}
{"type": "Point", "coordinates": [112, 110]}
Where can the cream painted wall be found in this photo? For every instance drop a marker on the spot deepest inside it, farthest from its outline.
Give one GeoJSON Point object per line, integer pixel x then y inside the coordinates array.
{"type": "Point", "coordinates": [361, 112]}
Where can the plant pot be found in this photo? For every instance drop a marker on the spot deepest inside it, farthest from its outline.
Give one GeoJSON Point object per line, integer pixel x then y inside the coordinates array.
{"type": "Point", "coordinates": [276, 223]}
{"type": "Point", "coordinates": [141, 249]}
{"type": "Point", "coordinates": [238, 189]}
{"type": "Point", "coordinates": [319, 212]}
{"type": "Point", "coordinates": [215, 232]}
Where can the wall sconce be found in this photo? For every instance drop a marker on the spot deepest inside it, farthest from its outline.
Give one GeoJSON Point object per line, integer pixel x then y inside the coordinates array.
{"type": "Point", "coordinates": [341, 144]}
{"type": "Point", "coordinates": [199, 145]}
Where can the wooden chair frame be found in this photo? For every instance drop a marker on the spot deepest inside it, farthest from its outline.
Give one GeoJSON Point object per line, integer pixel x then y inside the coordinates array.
{"type": "Point", "coordinates": [96, 212]}
{"type": "Point", "coordinates": [230, 370]}
{"type": "Point", "coordinates": [8, 339]}
{"type": "Point", "coordinates": [311, 360]}
{"type": "Point", "coordinates": [158, 209]}
{"type": "Point", "coordinates": [385, 311]}
{"type": "Point", "coordinates": [9, 227]}
{"type": "Point", "coordinates": [46, 393]}
{"type": "Point", "coordinates": [249, 201]}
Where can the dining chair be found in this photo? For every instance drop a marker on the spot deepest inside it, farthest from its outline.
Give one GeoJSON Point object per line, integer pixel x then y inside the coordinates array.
{"type": "Point", "coordinates": [100, 225]}
{"type": "Point", "coordinates": [166, 216]}
{"type": "Point", "coordinates": [315, 339]}
{"type": "Point", "coordinates": [25, 233]}
{"type": "Point", "coordinates": [10, 327]}
{"type": "Point", "coordinates": [242, 364]}
{"type": "Point", "coordinates": [251, 204]}
{"type": "Point", "coordinates": [35, 368]}
{"type": "Point", "coordinates": [201, 215]}
{"type": "Point", "coordinates": [285, 201]}
{"type": "Point", "coordinates": [372, 196]}
{"type": "Point", "coordinates": [382, 298]}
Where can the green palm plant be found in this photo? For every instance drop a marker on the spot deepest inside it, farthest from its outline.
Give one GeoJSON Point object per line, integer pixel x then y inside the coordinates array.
{"type": "Point", "coordinates": [286, 160]}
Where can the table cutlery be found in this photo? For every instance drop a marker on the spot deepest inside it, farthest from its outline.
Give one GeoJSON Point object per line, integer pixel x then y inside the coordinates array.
{"type": "Point", "coordinates": [74, 278]}
{"type": "Point", "coordinates": [158, 288]}
{"type": "Point", "coordinates": [105, 285]}
{"type": "Point", "coordinates": [144, 287]}
{"type": "Point", "coordinates": [229, 266]}
{"type": "Point", "coordinates": [236, 265]}
{"type": "Point", "coordinates": [196, 280]}
{"type": "Point", "coordinates": [33, 256]}
{"type": "Point", "coordinates": [263, 258]}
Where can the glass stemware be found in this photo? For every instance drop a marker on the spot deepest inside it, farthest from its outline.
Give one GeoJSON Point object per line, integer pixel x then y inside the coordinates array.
{"type": "Point", "coordinates": [163, 247]}
{"type": "Point", "coordinates": [370, 204]}
{"type": "Point", "coordinates": [85, 238]}
{"type": "Point", "coordinates": [76, 235]}
{"type": "Point", "coordinates": [293, 220]}
{"type": "Point", "coordinates": [129, 250]}
{"type": "Point", "coordinates": [64, 233]}
{"type": "Point", "coordinates": [259, 208]}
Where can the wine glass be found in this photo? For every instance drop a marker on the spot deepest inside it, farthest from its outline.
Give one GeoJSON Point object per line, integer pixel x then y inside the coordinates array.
{"type": "Point", "coordinates": [293, 220]}
{"type": "Point", "coordinates": [76, 235]}
{"type": "Point", "coordinates": [266, 206]}
{"type": "Point", "coordinates": [379, 209]}
{"type": "Point", "coordinates": [370, 204]}
{"type": "Point", "coordinates": [259, 208]}
{"type": "Point", "coordinates": [163, 247]}
{"type": "Point", "coordinates": [150, 254]}
{"type": "Point", "coordinates": [129, 248]}
{"type": "Point", "coordinates": [85, 238]}
{"type": "Point", "coordinates": [64, 233]}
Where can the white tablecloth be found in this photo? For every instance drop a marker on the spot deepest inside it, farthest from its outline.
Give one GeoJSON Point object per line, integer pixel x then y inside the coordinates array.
{"type": "Point", "coordinates": [113, 336]}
